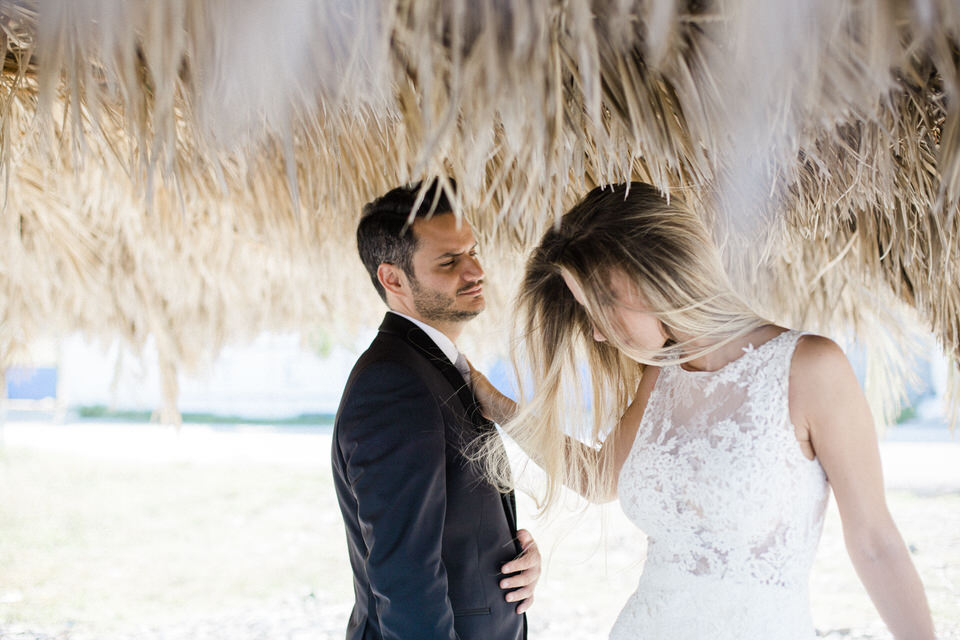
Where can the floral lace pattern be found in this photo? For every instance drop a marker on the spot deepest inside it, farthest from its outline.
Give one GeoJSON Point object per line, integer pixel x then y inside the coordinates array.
{"type": "Point", "coordinates": [732, 508]}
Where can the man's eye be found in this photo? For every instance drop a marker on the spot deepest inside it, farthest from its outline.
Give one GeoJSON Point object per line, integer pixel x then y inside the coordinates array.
{"type": "Point", "coordinates": [447, 264]}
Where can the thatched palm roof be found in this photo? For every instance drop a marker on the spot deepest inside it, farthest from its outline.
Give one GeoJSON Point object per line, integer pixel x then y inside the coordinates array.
{"type": "Point", "coordinates": [193, 170]}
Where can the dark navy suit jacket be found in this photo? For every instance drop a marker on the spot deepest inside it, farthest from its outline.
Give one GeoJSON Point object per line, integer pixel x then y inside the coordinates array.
{"type": "Point", "coordinates": [426, 533]}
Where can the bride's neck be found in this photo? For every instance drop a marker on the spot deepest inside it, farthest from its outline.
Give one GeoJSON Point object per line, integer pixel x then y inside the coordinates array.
{"type": "Point", "coordinates": [727, 353]}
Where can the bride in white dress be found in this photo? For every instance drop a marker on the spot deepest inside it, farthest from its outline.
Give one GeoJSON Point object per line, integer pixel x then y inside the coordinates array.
{"type": "Point", "coordinates": [730, 432]}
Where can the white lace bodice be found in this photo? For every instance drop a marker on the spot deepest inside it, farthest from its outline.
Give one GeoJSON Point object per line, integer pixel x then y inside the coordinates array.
{"type": "Point", "coordinates": [732, 508]}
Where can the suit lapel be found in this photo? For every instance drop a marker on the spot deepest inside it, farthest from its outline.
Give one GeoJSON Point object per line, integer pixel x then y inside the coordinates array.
{"type": "Point", "coordinates": [411, 333]}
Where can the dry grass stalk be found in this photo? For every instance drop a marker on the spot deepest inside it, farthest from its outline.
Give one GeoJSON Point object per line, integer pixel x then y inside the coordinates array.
{"type": "Point", "coordinates": [192, 171]}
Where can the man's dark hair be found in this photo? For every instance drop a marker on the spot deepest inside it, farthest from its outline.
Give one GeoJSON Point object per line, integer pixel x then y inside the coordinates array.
{"type": "Point", "coordinates": [385, 234]}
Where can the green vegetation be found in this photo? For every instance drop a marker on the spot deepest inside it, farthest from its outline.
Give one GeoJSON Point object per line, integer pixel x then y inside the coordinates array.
{"type": "Point", "coordinates": [101, 412]}
{"type": "Point", "coordinates": [320, 342]}
{"type": "Point", "coordinates": [907, 413]}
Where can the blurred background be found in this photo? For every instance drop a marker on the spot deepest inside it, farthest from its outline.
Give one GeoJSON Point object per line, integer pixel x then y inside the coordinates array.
{"type": "Point", "coordinates": [180, 300]}
{"type": "Point", "coordinates": [116, 526]}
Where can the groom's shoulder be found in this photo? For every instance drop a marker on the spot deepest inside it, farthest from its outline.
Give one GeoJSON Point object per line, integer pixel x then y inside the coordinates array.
{"type": "Point", "coordinates": [388, 358]}
{"type": "Point", "coordinates": [389, 349]}
{"type": "Point", "coordinates": [387, 383]}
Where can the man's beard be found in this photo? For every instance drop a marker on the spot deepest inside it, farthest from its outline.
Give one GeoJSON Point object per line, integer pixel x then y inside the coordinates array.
{"type": "Point", "coordinates": [434, 305]}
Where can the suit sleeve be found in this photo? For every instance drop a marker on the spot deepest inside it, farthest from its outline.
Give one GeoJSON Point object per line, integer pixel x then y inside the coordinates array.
{"type": "Point", "coordinates": [393, 445]}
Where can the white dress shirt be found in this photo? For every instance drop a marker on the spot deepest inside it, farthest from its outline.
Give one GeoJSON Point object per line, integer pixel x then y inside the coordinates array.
{"type": "Point", "coordinates": [439, 337]}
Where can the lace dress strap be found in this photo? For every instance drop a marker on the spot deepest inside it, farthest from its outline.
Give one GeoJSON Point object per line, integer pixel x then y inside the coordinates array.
{"type": "Point", "coordinates": [732, 508]}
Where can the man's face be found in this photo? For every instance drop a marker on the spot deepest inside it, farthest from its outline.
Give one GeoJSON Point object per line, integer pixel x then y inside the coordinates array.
{"type": "Point", "coordinates": [447, 279]}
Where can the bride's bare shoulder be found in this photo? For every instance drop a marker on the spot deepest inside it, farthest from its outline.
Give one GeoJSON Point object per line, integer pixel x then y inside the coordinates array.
{"type": "Point", "coordinates": [820, 376]}
{"type": "Point", "coordinates": [815, 353]}
{"type": "Point", "coordinates": [634, 412]}
{"type": "Point", "coordinates": [647, 379]}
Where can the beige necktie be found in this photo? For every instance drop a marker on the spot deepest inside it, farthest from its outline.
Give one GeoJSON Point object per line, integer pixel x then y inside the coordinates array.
{"type": "Point", "coordinates": [464, 369]}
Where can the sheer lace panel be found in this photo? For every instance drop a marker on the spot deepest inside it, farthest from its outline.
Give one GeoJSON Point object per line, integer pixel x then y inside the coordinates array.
{"type": "Point", "coordinates": [720, 485]}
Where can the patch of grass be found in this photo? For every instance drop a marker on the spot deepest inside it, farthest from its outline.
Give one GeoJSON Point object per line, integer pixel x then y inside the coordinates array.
{"type": "Point", "coordinates": [907, 413]}
{"type": "Point", "coordinates": [101, 412]}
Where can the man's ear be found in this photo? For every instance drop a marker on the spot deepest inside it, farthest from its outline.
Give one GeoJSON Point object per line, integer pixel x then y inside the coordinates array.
{"type": "Point", "coordinates": [392, 278]}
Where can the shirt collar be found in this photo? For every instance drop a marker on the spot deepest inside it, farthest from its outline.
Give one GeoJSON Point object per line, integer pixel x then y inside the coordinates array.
{"type": "Point", "coordinates": [439, 338]}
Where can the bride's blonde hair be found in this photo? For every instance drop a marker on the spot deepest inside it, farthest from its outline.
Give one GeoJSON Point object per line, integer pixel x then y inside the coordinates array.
{"type": "Point", "coordinates": [666, 252]}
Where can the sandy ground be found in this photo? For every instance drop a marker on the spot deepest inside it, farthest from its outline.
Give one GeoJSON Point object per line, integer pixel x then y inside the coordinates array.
{"type": "Point", "coordinates": [593, 557]}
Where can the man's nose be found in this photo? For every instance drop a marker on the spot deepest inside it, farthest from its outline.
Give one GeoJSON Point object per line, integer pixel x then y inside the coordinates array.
{"type": "Point", "coordinates": [472, 269]}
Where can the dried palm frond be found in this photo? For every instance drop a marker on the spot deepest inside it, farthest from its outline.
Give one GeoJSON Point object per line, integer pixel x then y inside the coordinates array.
{"type": "Point", "coordinates": [193, 171]}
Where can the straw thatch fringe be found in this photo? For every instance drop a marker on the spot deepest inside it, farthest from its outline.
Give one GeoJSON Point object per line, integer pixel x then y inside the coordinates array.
{"type": "Point", "coordinates": [192, 170]}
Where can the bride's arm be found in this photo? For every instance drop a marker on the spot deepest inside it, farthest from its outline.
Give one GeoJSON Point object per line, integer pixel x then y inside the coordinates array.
{"type": "Point", "coordinates": [495, 406]}
{"type": "Point", "coordinates": [828, 407]}
{"type": "Point", "coordinates": [500, 409]}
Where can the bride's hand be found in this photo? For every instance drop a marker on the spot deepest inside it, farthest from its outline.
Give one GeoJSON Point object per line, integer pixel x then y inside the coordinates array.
{"type": "Point", "coordinates": [493, 405]}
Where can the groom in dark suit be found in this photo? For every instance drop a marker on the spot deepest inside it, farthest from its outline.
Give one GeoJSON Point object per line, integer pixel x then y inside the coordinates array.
{"type": "Point", "coordinates": [434, 547]}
